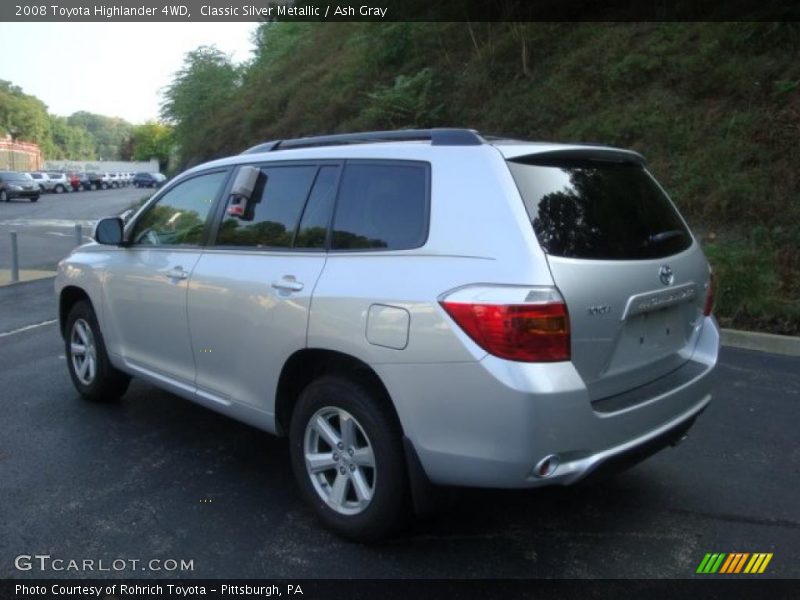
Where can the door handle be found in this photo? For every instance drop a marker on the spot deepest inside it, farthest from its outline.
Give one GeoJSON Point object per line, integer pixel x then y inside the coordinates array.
{"type": "Point", "coordinates": [287, 283]}
{"type": "Point", "coordinates": [177, 273]}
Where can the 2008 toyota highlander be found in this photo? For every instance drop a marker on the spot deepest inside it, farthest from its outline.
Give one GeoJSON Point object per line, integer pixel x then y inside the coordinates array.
{"type": "Point", "coordinates": [409, 307]}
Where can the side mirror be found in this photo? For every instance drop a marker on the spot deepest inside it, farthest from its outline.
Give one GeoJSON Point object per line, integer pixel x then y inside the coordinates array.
{"type": "Point", "coordinates": [242, 191]}
{"type": "Point", "coordinates": [108, 231]}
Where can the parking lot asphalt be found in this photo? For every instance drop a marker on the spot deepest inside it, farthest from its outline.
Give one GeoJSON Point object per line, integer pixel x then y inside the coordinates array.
{"type": "Point", "coordinates": [156, 477]}
{"type": "Point", "coordinates": [46, 229]}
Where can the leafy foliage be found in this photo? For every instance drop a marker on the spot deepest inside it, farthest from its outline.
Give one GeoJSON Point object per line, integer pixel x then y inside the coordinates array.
{"type": "Point", "coordinates": [152, 140]}
{"type": "Point", "coordinates": [81, 136]}
{"type": "Point", "coordinates": [110, 134]}
{"type": "Point", "coordinates": [409, 102]}
{"type": "Point", "coordinates": [198, 99]}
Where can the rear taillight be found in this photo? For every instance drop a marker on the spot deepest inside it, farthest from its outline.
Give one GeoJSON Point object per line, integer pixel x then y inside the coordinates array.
{"type": "Point", "coordinates": [526, 332]}
{"type": "Point", "coordinates": [712, 288]}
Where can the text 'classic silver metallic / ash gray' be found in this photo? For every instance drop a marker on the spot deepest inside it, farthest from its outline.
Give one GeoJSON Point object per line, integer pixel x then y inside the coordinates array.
{"type": "Point", "coordinates": [413, 309]}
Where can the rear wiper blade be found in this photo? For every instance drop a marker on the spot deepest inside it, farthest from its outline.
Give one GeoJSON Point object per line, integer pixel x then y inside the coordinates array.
{"type": "Point", "coordinates": [663, 236]}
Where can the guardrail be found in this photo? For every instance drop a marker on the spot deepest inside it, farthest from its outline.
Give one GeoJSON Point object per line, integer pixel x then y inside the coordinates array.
{"type": "Point", "coordinates": [15, 250]}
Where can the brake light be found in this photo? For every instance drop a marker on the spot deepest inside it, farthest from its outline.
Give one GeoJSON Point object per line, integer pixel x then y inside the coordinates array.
{"type": "Point", "coordinates": [710, 292]}
{"type": "Point", "coordinates": [522, 332]}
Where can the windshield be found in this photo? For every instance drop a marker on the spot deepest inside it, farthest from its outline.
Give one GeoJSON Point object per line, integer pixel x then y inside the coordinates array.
{"type": "Point", "coordinates": [11, 176]}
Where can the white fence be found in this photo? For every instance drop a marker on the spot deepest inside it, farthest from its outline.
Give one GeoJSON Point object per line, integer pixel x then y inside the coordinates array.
{"type": "Point", "coordinates": [102, 166]}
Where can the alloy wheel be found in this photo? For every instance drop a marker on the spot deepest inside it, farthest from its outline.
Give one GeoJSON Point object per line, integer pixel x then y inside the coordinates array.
{"type": "Point", "coordinates": [340, 460]}
{"type": "Point", "coordinates": [83, 352]}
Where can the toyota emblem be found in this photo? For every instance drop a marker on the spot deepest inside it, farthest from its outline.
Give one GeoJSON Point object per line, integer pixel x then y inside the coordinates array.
{"type": "Point", "coordinates": [666, 275]}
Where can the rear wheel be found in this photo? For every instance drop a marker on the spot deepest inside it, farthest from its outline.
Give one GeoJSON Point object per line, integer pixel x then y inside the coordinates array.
{"type": "Point", "coordinates": [92, 373]}
{"type": "Point", "coordinates": [34, 198]}
{"type": "Point", "coordinates": [347, 456]}
{"type": "Point", "coordinates": [60, 189]}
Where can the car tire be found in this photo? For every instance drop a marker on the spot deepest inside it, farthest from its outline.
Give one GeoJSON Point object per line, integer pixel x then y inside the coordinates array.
{"type": "Point", "coordinates": [60, 189]}
{"type": "Point", "coordinates": [4, 196]}
{"type": "Point", "coordinates": [363, 494]}
{"type": "Point", "coordinates": [34, 198]}
{"type": "Point", "coordinates": [91, 371]}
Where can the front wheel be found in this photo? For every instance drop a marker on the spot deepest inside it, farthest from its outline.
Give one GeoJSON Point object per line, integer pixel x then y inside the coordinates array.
{"type": "Point", "coordinates": [92, 373]}
{"type": "Point", "coordinates": [34, 198]}
{"type": "Point", "coordinates": [60, 189]}
{"type": "Point", "coordinates": [347, 457]}
{"type": "Point", "coordinates": [4, 196]}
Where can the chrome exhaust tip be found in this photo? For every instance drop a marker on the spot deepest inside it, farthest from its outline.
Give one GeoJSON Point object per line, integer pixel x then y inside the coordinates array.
{"type": "Point", "coordinates": [547, 466]}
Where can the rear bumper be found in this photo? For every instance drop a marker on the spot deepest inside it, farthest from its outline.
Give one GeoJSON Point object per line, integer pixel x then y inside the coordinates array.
{"type": "Point", "coordinates": [488, 423]}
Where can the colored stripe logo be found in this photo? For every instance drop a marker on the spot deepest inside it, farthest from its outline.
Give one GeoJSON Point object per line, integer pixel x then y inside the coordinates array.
{"type": "Point", "coordinates": [734, 563]}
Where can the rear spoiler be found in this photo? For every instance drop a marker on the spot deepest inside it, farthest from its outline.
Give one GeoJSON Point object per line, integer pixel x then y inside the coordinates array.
{"type": "Point", "coordinates": [596, 154]}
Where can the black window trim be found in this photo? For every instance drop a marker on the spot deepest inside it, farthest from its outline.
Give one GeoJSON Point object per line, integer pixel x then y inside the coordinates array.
{"type": "Point", "coordinates": [156, 198]}
{"type": "Point", "coordinates": [422, 164]}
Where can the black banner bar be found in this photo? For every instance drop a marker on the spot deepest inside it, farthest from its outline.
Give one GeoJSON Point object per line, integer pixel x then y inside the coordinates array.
{"type": "Point", "coordinates": [323, 589]}
{"type": "Point", "coordinates": [395, 10]}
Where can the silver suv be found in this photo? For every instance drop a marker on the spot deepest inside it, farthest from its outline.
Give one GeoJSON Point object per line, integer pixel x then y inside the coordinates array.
{"type": "Point", "coordinates": [413, 309]}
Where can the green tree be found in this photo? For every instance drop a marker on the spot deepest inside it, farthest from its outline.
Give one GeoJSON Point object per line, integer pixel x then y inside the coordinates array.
{"type": "Point", "coordinates": [68, 141]}
{"type": "Point", "coordinates": [109, 134]}
{"type": "Point", "coordinates": [152, 140]}
{"type": "Point", "coordinates": [23, 116]}
{"type": "Point", "coordinates": [196, 101]}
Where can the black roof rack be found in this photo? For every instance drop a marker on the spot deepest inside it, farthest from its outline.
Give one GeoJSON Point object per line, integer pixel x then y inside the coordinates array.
{"type": "Point", "coordinates": [438, 137]}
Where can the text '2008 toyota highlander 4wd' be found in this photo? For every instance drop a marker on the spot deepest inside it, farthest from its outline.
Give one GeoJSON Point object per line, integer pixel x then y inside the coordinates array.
{"type": "Point", "coordinates": [409, 307]}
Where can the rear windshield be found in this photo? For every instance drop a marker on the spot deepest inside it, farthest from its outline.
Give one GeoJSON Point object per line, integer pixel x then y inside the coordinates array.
{"type": "Point", "coordinates": [598, 210]}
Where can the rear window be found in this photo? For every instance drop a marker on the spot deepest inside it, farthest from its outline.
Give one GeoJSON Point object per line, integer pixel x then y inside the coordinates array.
{"type": "Point", "coordinates": [598, 210]}
{"type": "Point", "coordinates": [382, 206]}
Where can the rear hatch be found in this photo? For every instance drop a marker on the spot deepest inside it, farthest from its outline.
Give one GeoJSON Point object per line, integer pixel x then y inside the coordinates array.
{"type": "Point", "coordinates": [632, 276]}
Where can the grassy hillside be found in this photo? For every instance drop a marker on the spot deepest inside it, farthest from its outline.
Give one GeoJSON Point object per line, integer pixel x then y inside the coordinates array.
{"type": "Point", "coordinates": [714, 107]}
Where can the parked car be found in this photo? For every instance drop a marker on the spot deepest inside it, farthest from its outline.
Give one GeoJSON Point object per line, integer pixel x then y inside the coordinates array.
{"type": "Point", "coordinates": [93, 181]}
{"type": "Point", "coordinates": [42, 180]}
{"type": "Point", "coordinates": [412, 309]}
{"type": "Point", "coordinates": [75, 180]}
{"type": "Point", "coordinates": [148, 180]}
{"type": "Point", "coordinates": [106, 181]}
{"type": "Point", "coordinates": [18, 185]}
{"type": "Point", "coordinates": [59, 183]}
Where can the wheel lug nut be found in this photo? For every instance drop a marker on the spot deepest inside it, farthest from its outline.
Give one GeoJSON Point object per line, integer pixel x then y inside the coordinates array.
{"type": "Point", "coordinates": [352, 467]}
{"type": "Point", "coordinates": [340, 446]}
{"type": "Point", "coordinates": [335, 456]}
{"type": "Point", "coordinates": [342, 470]}
{"type": "Point", "coordinates": [351, 452]}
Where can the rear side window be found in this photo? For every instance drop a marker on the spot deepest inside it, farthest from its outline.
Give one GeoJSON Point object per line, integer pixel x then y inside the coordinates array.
{"type": "Point", "coordinates": [598, 210]}
{"type": "Point", "coordinates": [381, 206]}
{"type": "Point", "coordinates": [281, 197]}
